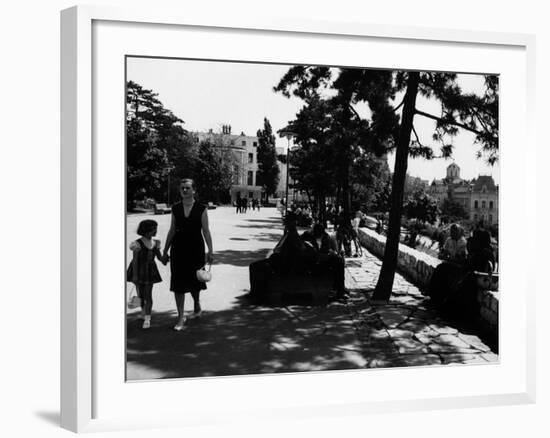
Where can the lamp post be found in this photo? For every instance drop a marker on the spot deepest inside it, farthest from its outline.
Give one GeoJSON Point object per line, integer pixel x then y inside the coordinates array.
{"type": "Point", "coordinates": [168, 169]}
{"type": "Point", "coordinates": [288, 134]}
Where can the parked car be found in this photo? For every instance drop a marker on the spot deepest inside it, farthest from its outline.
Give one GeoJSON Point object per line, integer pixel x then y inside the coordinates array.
{"type": "Point", "coordinates": [162, 209]}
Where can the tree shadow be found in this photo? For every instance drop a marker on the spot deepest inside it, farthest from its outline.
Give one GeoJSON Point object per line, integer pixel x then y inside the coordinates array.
{"type": "Point", "coordinates": [268, 237]}
{"type": "Point", "coordinates": [241, 341]}
{"type": "Point", "coordinates": [250, 339]}
{"type": "Point", "coordinates": [261, 227]}
{"type": "Point", "coordinates": [266, 221]}
{"type": "Point", "coordinates": [239, 257]}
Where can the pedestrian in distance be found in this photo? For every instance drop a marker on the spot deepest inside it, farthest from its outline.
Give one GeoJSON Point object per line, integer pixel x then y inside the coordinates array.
{"type": "Point", "coordinates": [143, 271]}
{"type": "Point", "coordinates": [188, 231]}
{"type": "Point", "coordinates": [239, 205]}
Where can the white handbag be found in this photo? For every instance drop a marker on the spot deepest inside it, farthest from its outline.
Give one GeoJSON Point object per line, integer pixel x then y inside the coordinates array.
{"type": "Point", "coordinates": [204, 274]}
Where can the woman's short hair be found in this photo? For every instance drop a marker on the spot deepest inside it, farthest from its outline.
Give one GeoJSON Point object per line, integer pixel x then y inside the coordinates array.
{"type": "Point", "coordinates": [189, 180]}
{"type": "Point", "coordinates": [146, 226]}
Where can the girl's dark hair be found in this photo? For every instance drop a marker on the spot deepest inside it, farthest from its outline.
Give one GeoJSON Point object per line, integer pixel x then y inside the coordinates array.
{"type": "Point", "coordinates": [146, 226]}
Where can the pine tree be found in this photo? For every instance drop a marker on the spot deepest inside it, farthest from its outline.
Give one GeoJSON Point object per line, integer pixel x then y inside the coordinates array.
{"type": "Point", "coordinates": [268, 170]}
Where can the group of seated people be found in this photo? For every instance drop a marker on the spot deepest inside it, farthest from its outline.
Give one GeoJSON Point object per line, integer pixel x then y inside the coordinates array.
{"type": "Point", "coordinates": [453, 286]}
{"type": "Point", "coordinates": [314, 252]}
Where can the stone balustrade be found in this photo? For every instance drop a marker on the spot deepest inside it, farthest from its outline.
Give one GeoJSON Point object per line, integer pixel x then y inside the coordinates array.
{"type": "Point", "coordinates": [419, 267]}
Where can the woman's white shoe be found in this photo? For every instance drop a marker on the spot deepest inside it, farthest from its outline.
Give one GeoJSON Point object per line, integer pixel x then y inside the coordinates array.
{"type": "Point", "coordinates": [180, 325]}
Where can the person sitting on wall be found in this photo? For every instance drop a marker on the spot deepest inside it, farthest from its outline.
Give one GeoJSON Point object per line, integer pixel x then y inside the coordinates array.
{"type": "Point", "coordinates": [481, 256]}
{"type": "Point", "coordinates": [290, 254]}
{"type": "Point", "coordinates": [325, 257]}
{"type": "Point", "coordinates": [447, 277]}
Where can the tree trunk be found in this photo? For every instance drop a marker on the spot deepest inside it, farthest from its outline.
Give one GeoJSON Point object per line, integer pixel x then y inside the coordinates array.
{"type": "Point", "coordinates": [384, 286]}
{"type": "Point", "coordinates": [346, 196]}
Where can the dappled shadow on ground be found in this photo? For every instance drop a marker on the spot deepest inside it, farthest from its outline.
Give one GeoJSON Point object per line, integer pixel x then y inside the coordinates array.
{"type": "Point", "coordinates": [266, 221]}
{"type": "Point", "coordinates": [252, 339]}
{"type": "Point", "coordinates": [268, 237]}
{"type": "Point", "coordinates": [239, 257]}
{"type": "Point", "coordinates": [243, 340]}
{"type": "Point", "coordinates": [259, 227]}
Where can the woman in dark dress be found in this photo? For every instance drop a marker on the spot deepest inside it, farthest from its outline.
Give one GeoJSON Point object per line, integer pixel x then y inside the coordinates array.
{"type": "Point", "coordinates": [185, 240]}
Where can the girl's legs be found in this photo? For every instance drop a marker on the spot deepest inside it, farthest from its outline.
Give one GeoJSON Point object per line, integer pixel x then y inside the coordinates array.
{"type": "Point", "coordinates": [139, 291]}
{"type": "Point", "coordinates": [146, 304]}
{"type": "Point", "coordinates": [147, 298]}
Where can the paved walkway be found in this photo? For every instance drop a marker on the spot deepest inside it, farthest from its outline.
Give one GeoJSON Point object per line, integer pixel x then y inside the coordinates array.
{"type": "Point", "coordinates": [407, 331]}
{"type": "Point", "coordinates": [234, 337]}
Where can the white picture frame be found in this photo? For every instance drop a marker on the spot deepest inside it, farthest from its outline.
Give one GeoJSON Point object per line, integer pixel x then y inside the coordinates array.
{"type": "Point", "coordinates": [86, 64]}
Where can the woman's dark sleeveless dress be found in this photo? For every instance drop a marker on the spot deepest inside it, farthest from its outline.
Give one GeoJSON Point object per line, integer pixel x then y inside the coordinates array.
{"type": "Point", "coordinates": [187, 250]}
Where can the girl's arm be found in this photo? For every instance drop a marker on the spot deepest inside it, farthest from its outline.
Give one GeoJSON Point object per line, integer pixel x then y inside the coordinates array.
{"type": "Point", "coordinates": [170, 236]}
{"type": "Point", "coordinates": [156, 250]}
{"type": "Point", "coordinates": [207, 235]}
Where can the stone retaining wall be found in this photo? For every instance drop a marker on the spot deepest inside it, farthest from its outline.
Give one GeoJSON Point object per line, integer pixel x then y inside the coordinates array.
{"type": "Point", "coordinates": [416, 265]}
{"type": "Point", "coordinates": [419, 267]}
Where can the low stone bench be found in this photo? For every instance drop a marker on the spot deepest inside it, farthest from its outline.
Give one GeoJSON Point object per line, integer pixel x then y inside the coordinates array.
{"type": "Point", "coordinates": [291, 285]}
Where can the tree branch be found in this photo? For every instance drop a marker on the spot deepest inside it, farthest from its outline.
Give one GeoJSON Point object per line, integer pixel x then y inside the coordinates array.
{"type": "Point", "coordinates": [399, 106]}
{"type": "Point", "coordinates": [354, 111]}
{"type": "Point", "coordinates": [454, 123]}
{"type": "Point", "coordinates": [416, 135]}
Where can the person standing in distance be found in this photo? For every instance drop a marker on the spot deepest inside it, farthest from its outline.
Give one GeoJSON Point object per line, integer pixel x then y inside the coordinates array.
{"type": "Point", "coordinates": [188, 231]}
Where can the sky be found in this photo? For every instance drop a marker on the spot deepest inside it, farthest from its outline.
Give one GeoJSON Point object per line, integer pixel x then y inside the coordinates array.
{"type": "Point", "coordinates": [209, 94]}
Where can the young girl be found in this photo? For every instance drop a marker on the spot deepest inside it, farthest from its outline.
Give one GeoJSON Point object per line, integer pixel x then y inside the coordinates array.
{"type": "Point", "coordinates": [143, 271]}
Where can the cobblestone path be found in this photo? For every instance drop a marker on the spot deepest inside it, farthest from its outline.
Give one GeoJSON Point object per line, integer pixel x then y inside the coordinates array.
{"type": "Point", "coordinates": [406, 331]}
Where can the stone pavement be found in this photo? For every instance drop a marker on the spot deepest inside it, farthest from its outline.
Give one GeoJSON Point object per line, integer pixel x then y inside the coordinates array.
{"type": "Point", "coordinates": [407, 331]}
{"type": "Point", "coordinates": [234, 337]}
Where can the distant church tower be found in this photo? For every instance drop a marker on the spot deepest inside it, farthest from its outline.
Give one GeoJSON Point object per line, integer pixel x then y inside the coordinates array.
{"type": "Point", "coordinates": [453, 172]}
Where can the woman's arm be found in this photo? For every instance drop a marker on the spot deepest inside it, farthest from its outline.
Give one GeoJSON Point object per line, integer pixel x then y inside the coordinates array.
{"type": "Point", "coordinates": [156, 251]}
{"type": "Point", "coordinates": [207, 235]}
{"type": "Point", "coordinates": [170, 235]}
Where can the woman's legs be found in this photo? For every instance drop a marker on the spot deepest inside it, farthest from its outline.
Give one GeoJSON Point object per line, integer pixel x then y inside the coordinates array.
{"type": "Point", "coordinates": [180, 301]}
{"type": "Point", "coordinates": [196, 301]}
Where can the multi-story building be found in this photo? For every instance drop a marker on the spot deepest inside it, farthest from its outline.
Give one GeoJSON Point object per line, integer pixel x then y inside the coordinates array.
{"type": "Point", "coordinates": [479, 197]}
{"type": "Point", "coordinates": [243, 151]}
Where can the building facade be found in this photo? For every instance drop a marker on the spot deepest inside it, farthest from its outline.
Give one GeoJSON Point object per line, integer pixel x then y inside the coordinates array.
{"type": "Point", "coordinates": [479, 197]}
{"type": "Point", "coordinates": [243, 150]}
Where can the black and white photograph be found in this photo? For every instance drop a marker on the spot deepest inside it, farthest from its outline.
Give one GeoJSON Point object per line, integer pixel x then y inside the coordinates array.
{"type": "Point", "coordinates": [308, 218]}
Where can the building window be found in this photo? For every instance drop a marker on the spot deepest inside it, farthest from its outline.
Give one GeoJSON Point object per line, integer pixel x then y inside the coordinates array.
{"type": "Point", "coordinates": [490, 218]}
{"type": "Point", "coordinates": [250, 180]}
{"type": "Point", "coordinates": [251, 195]}
{"type": "Point", "coordinates": [255, 144]}
{"type": "Point", "coordinates": [475, 217]}
{"type": "Point", "coordinates": [483, 204]}
{"type": "Point", "coordinates": [476, 205]}
{"type": "Point", "coordinates": [490, 205]}
{"type": "Point", "coordinates": [243, 143]}
{"type": "Point", "coordinates": [250, 158]}
{"type": "Point", "coordinates": [235, 174]}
